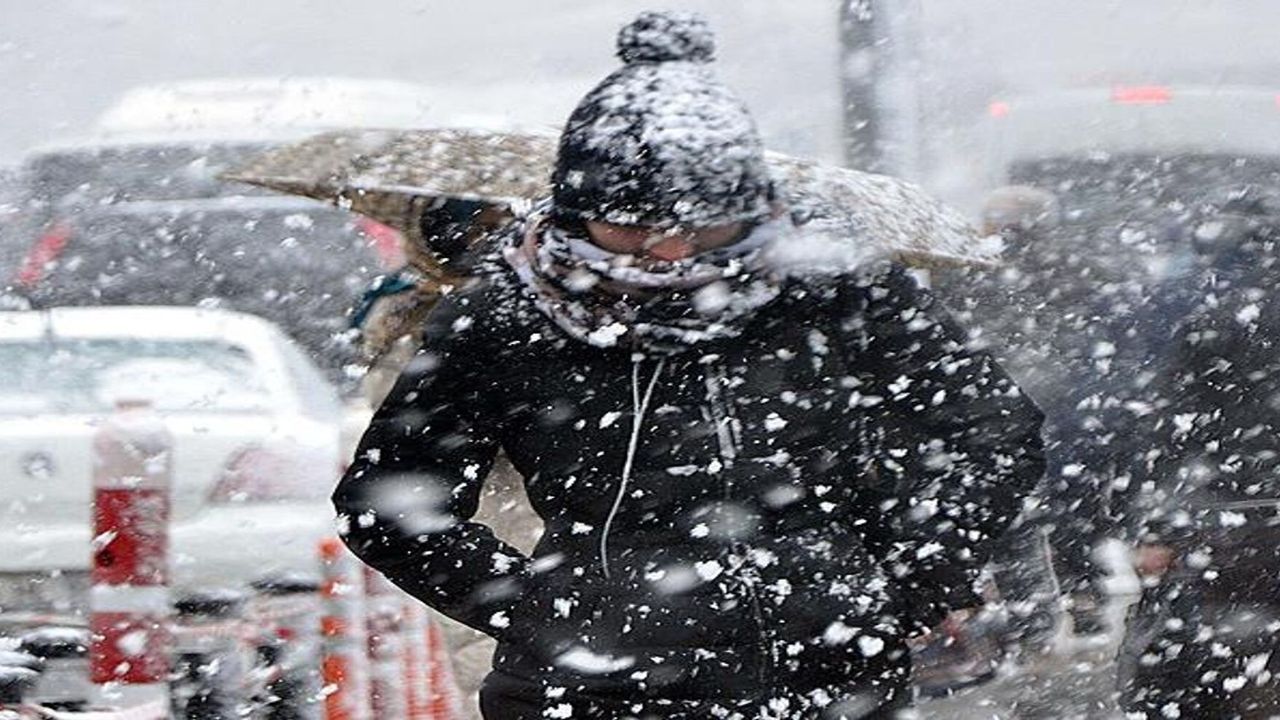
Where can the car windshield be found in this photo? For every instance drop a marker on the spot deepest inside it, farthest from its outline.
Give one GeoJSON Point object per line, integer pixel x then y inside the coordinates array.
{"type": "Point", "coordinates": [130, 173]}
{"type": "Point", "coordinates": [90, 375]}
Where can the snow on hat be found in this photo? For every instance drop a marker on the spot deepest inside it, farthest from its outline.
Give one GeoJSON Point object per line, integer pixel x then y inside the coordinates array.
{"type": "Point", "coordinates": [661, 142]}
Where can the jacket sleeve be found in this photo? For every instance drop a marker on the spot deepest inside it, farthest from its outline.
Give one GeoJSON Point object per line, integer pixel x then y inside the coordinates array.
{"type": "Point", "coordinates": [405, 504]}
{"type": "Point", "coordinates": [960, 444]}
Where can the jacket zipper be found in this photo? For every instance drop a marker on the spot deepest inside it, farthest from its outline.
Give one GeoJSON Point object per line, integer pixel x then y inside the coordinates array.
{"type": "Point", "coordinates": [728, 438]}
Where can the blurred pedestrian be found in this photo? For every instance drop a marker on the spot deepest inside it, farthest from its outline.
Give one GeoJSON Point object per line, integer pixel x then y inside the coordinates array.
{"type": "Point", "coordinates": [755, 484]}
{"type": "Point", "coordinates": [1037, 313]}
{"type": "Point", "coordinates": [1202, 641]}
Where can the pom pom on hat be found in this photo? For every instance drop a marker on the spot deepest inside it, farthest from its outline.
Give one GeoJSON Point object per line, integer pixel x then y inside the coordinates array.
{"type": "Point", "coordinates": [656, 37]}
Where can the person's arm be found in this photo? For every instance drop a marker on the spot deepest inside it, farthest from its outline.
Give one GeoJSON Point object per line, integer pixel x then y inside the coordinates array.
{"type": "Point", "coordinates": [960, 449]}
{"type": "Point", "coordinates": [405, 503]}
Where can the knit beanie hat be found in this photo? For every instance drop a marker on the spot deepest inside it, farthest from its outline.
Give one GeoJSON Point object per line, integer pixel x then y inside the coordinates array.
{"type": "Point", "coordinates": [661, 142]}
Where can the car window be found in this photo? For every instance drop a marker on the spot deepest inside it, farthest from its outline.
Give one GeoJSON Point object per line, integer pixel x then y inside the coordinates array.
{"type": "Point", "coordinates": [128, 173]}
{"type": "Point", "coordinates": [91, 375]}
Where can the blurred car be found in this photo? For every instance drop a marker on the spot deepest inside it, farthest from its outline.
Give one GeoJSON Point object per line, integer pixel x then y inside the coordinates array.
{"type": "Point", "coordinates": [264, 108]}
{"type": "Point", "coordinates": [1130, 164]}
{"type": "Point", "coordinates": [136, 215]}
{"type": "Point", "coordinates": [256, 431]}
{"type": "Point", "coordinates": [149, 224]}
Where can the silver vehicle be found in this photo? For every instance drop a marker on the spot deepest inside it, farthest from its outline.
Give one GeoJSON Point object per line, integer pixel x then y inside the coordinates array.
{"type": "Point", "coordinates": [256, 429]}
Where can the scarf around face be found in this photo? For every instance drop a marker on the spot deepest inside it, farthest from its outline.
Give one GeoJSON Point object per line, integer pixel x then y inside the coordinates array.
{"type": "Point", "coordinates": [604, 299]}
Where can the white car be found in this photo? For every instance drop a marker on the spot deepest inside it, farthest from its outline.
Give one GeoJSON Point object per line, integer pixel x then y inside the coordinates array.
{"type": "Point", "coordinates": [256, 429]}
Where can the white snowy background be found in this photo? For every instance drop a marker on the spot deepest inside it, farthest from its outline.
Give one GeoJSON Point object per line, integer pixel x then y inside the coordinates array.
{"type": "Point", "coordinates": [62, 62]}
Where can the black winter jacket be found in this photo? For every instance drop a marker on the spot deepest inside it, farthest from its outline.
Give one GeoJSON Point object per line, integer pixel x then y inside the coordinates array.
{"type": "Point", "coordinates": [774, 510]}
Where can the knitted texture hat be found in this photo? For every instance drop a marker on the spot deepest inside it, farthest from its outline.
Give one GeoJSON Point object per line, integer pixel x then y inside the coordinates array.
{"type": "Point", "coordinates": [661, 142]}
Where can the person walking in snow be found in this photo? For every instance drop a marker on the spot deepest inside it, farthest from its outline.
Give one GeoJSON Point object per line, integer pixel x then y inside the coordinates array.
{"type": "Point", "coordinates": [1201, 642]}
{"type": "Point", "coordinates": [755, 483]}
{"type": "Point", "coordinates": [1038, 312]}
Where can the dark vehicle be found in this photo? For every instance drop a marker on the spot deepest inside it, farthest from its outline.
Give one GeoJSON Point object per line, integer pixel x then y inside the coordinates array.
{"type": "Point", "coordinates": [1132, 170]}
{"type": "Point", "coordinates": [150, 224]}
{"type": "Point", "coordinates": [922, 77]}
{"type": "Point", "coordinates": [1134, 225]}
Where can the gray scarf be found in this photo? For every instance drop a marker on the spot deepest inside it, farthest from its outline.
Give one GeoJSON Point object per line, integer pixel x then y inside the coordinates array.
{"type": "Point", "coordinates": [604, 299]}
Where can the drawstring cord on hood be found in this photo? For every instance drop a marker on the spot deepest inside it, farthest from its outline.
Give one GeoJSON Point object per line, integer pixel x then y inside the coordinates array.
{"type": "Point", "coordinates": [639, 407]}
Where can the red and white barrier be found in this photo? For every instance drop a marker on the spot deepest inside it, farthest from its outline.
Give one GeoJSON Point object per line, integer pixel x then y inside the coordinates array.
{"type": "Point", "coordinates": [381, 653]}
{"type": "Point", "coordinates": [344, 665]}
{"type": "Point", "coordinates": [384, 626]}
{"type": "Point", "coordinates": [129, 600]}
{"type": "Point", "coordinates": [444, 699]}
{"type": "Point", "coordinates": [431, 689]}
{"type": "Point", "coordinates": [416, 684]}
